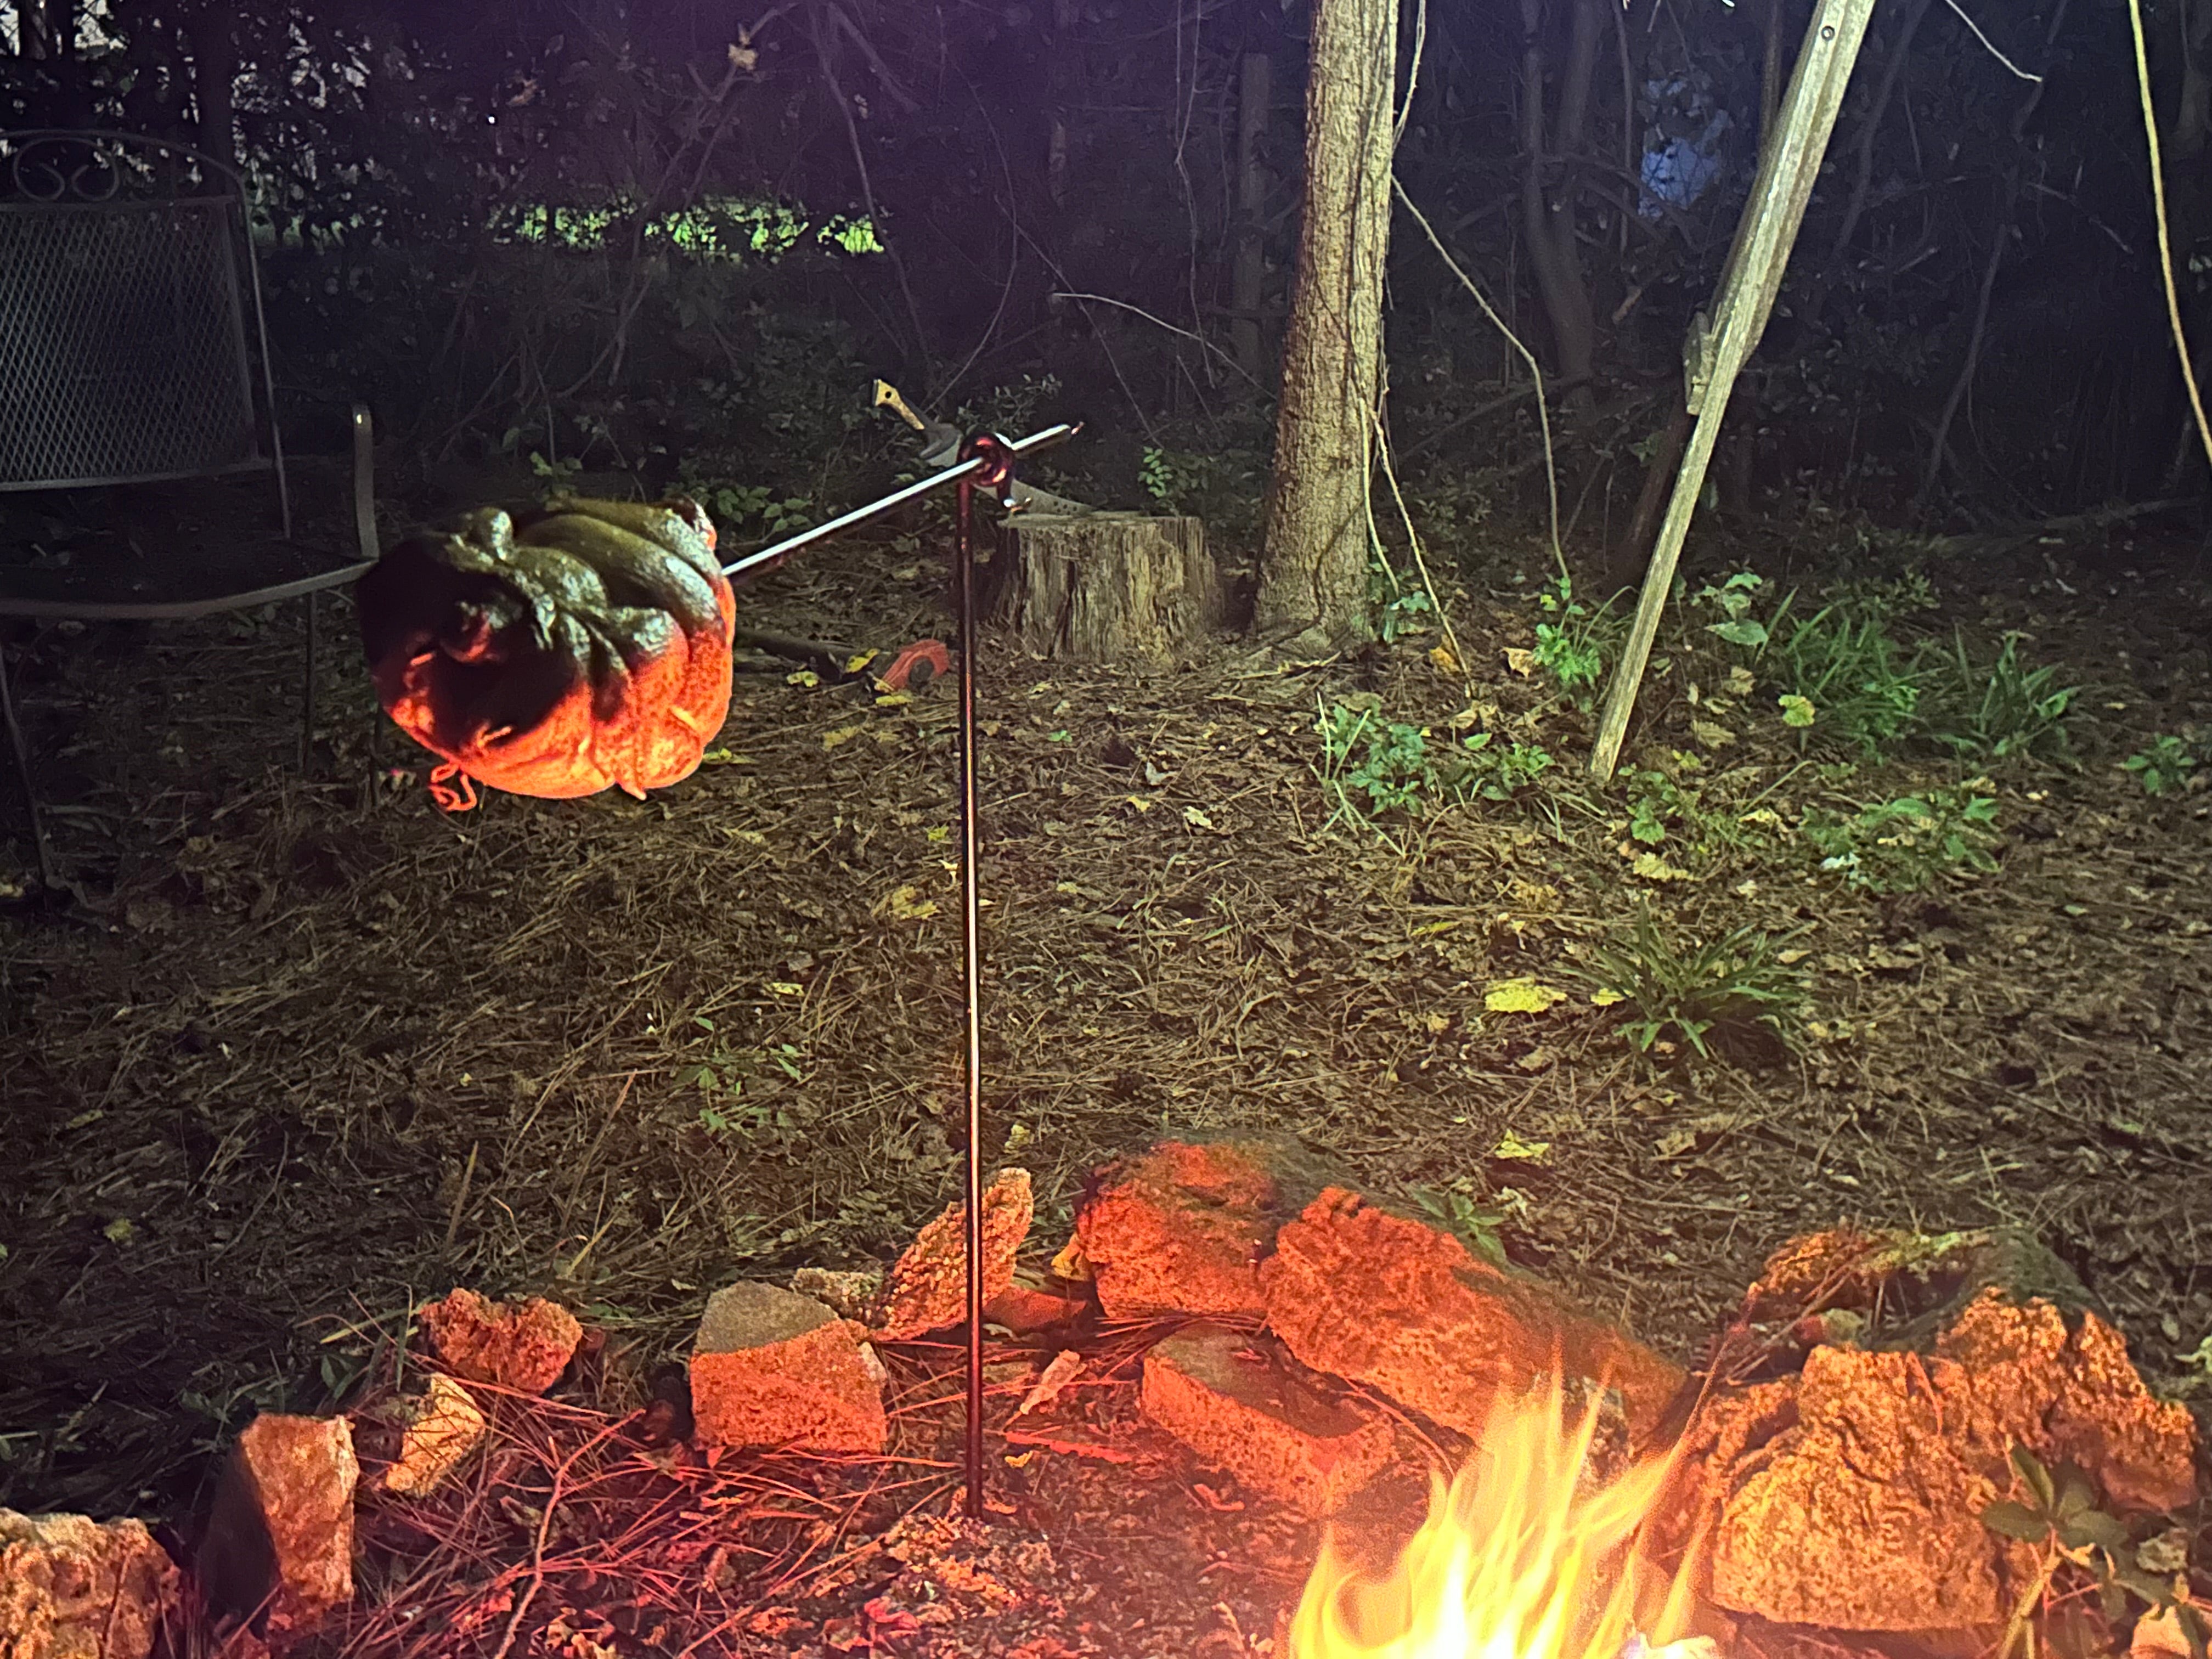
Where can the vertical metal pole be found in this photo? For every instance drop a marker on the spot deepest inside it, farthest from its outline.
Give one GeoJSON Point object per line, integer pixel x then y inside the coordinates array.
{"type": "Point", "coordinates": [964, 599]}
{"type": "Point", "coordinates": [307, 692]}
{"type": "Point", "coordinates": [47, 877]}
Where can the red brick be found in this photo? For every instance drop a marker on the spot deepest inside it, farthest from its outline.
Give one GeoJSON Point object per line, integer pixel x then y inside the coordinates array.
{"type": "Point", "coordinates": [928, 1288]}
{"type": "Point", "coordinates": [1182, 1228]}
{"type": "Point", "coordinates": [281, 1535]}
{"type": "Point", "coordinates": [1374, 1297]}
{"type": "Point", "coordinates": [72, 1587]}
{"type": "Point", "coordinates": [772, 1368]}
{"type": "Point", "coordinates": [1228, 1397]}
{"type": "Point", "coordinates": [523, 1346]}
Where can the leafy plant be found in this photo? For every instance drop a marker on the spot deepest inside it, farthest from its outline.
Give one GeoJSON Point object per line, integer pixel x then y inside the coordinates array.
{"type": "Point", "coordinates": [2170, 763]}
{"type": "Point", "coordinates": [1575, 644]}
{"type": "Point", "coordinates": [1998, 711]}
{"type": "Point", "coordinates": [1475, 1223]}
{"type": "Point", "coordinates": [733, 505]}
{"type": "Point", "coordinates": [1392, 765]}
{"type": "Point", "coordinates": [1900, 846]}
{"type": "Point", "coordinates": [1403, 614]}
{"type": "Point", "coordinates": [1692, 988]}
{"type": "Point", "coordinates": [1498, 773]}
{"type": "Point", "coordinates": [1386, 761]}
{"type": "Point", "coordinates": [2061, 1518]}
{"type": "Point", "coordinates": [1733, 599]}
{"type": "Point", "coordinates": [1172, 476]}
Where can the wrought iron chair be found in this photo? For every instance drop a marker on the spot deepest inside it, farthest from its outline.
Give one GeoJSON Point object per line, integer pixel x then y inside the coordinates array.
{"type": "Point", "coordinates": [127, 288]}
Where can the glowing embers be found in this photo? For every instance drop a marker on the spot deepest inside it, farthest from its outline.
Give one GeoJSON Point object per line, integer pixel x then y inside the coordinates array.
{"type": "Point", "coordinates": [558, 653]}
{"type": "Point", "coordinates": [1524, 1556]}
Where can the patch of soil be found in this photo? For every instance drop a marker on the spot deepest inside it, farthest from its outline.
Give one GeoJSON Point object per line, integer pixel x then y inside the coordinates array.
{"type": "Point", "coordinates": [314, 1052]}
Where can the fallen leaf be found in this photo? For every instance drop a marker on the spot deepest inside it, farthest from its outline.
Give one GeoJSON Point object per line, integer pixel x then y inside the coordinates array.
{"type": "Point", "coordinates": [1711, 735]}
{"type": "Point", "coordinates": [1674, 1144]}
{"type": "Point", "coordinates": [1521, 996]}
{"type": "Point", "coordinates": [119, 1232]}
{"type": "Point", "coordinates": [1067, 1365]}
{"type": "Point", "coordinates": [1739, 681]}
{"type": "Point", "coordinates": [724, 757]}
{"type": "Point", "coordinates": [842, 734]}
{"type": "Point", "coordinates": [1522, 662]}
{"type": "Point", "coordinates": [803, 676]}
{"type": "Point", "coordinates": [894, 699]}
{"type": "Point", "coordinates": [854, 664]}
{"type": "Point", "coordinates": [1196, 819]}
{"type": "Point", "coordinates": [1796, 710]}
{"type": "Point", "coordinates": [1443, 656]}
{"type": "Point", "coordinates": [906, 904]}
{"type": "Point", "coordinates": [1512, 1146]}
{"type": "Point", "coordinates": [1652, 867]}
{"type": "Point", "coordinates": [1602, 998]}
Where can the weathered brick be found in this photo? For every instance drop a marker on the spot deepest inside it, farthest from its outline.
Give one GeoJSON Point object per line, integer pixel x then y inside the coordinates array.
{"type": "Point", "coordinates": [523, 1346]}
{"type": "Point", "coordinates": [772, 1368]}
{"type": "Point", "coordinates": [1374, 1297]}
{"type": "Point", "coordinates": [72, 1587]}
{"type": "Point", "coordinates": [1229, 1396]}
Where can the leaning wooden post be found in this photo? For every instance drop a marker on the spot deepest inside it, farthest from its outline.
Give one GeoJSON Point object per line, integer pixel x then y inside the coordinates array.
{"type": "Point", "coordinates": [1716, 353]}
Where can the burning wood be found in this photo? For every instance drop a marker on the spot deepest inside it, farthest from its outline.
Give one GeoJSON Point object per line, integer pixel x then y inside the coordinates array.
{"type": "Point", "coordinates": [1524, 1555]}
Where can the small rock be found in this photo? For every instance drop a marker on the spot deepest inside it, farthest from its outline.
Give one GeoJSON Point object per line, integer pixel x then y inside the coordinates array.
{"type": "Point", "coordinates": [1182, 1228]}
{"type": "Point", "coordinates": [72, 1587]}
{"type": "Point", "coordinates": [436, 1432]}
{"type": "Point", "coordinates": [1230, 1398]}
{"type": "Point", "coordinates": [1375, 1297]}
{"type": "Point", "coordinates": [281, 1536]}
{"type": "Point", "coordinates": [928, 1288]}
{"type": "Point", "coordinates": [522, 1346]}
{"type": "Point", "coordinates": [772, 1368]}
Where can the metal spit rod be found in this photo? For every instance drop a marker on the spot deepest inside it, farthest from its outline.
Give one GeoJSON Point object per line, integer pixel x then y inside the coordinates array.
{"type": "Point", "coordinates": [753, 563]}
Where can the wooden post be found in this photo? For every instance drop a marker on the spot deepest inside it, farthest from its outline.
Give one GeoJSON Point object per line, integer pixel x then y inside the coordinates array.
{"type": "Point", "coordinates": [1714, 356]}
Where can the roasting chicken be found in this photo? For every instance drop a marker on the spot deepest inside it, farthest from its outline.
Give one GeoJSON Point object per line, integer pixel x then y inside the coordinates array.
{"type": "Point", "coordinates": [556, 653]}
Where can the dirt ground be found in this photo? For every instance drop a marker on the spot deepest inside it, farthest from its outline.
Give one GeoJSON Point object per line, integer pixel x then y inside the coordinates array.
{"type": "Point", "coordinates": [311, 1051]}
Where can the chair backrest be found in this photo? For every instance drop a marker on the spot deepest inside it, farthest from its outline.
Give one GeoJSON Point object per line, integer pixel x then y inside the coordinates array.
{"type": "Point", "coordinates": [127, 291]}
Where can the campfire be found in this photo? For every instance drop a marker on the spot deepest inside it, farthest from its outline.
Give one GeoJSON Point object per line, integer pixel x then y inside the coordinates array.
{"type": "Point", "coordinates": [1529, 1553]}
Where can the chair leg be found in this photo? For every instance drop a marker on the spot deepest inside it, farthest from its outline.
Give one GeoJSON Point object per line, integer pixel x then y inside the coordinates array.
{"type": "Point", "coordinates": [47, 877]}
{"type": "Point", "coordinates": [307, 693]}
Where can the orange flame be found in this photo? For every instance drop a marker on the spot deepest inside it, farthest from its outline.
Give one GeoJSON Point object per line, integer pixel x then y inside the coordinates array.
{"type": "Point", "coordinates": [1521, 1556]}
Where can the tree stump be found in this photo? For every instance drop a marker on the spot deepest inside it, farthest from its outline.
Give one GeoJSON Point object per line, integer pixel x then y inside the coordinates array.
{"type": "Point", "coordinates": [1104, 587]}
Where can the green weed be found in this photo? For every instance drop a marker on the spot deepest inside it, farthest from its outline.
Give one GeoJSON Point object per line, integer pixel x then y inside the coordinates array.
{"type": "Point", "coordinates": [1574, 647]}
{"type": "Point", "coordinates": [2061, 1518]}
{"type": "Point", "coordinates": [1692, 989]}
{"type": "Point", "coordinates": [1388, 762]}
{"type": "Point", "coordinates": [1900, 845]}
{"type": "Point", "coordinates": [2000, 710]}
{"type": "Point", "coordinates": [2171, 764]}
{"type": "Point", "coordinates": [1375, 766]}
{"type": "Point", "coordinates": [1476, 1224]}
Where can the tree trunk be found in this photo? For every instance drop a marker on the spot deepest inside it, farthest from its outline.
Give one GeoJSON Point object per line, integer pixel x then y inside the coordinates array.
{"type": "Point", "coordinates": [214, 74]}
{"type": "Point", "coordinates": [1248, 275]}
{"type": "Point", "coordinates": [1547, 207]}
{"type": "Point", "coordinates": [1313, 567]}
{"type": "Point", "coordinates": [1115, 587]}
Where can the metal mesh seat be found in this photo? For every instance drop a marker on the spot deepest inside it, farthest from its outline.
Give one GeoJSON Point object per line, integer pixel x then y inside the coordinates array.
{"type": "Point", "coordinates": [131, 333]}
